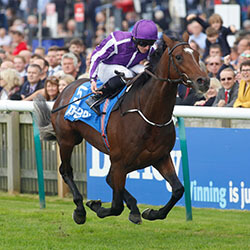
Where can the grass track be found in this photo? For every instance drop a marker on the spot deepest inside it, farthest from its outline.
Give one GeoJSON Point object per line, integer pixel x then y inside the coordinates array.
{"type": "Point", "coordinates": [23, 225]}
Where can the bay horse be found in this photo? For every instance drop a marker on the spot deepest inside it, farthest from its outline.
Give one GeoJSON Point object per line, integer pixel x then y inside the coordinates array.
{"type": "Point", "coordinates": [140, 132]}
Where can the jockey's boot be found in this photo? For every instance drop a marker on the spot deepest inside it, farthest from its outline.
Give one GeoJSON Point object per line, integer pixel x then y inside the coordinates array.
{"type": "Point", "coordinates": [109, 90]}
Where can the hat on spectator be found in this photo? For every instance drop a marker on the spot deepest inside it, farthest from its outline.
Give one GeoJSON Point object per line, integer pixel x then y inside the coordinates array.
{"type": "Point", "coordinates": [18, 30]}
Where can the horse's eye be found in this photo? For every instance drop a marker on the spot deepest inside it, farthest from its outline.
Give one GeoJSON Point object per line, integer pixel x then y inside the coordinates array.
{"type": "Point", "coordinates": [178, 57]}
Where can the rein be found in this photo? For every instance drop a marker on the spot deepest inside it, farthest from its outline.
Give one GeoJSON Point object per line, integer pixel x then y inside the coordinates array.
{"type": "Point", "coordinates": [183, 77]}
{"type": "Point", "coordinates": [180, 80]}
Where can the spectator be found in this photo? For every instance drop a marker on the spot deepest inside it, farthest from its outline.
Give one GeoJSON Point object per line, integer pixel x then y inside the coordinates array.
{"type": "Point", "coordinates": [5, 40]}
{"type": "Point", "coordinates": [71, 27]}
{"type": "Point", "coordinates": [51, 88]}
{"type": "Point", "coordinates": [243, 99]}
{"type": "Point", "coordinates": [10, 82]}
{"type": "Point", "coordinates": [162, 19]}
{"type": "Point", "coordinates": [244, 56]}
{"type": "Point", "coordinates": [26, 54]}
{"type": "Point", "coordinates": [229, 91]}
{"type": "Point", "coordinates": [40, 51]}
{"type": "Point", "coordinates": [18, 40]}
{"type": "Point", "coordinates": [31, 28]}
{"type": "Point", "coordinates": [33, 82]}
{"type": "Point", "coordinates": [3, 54]}
{"type": "Point", "coordinates": [64, 81]}
{"type": "Point", "coordinates": [215, 50]}
{"type": "Point", "coordinates": [212, 39]}
{"type": "Point", "coordinates": [34, 57]}
{"type": "Point", "coordinates": [43, 63]}
{"type": "Point", "coordinates": [187, 96]}
{"type": "Point", "coordinates": [195, 46]}
{"type": "Point", "coordinates": [210, 95]}
{"type": "Point", "coordinates": [90, 11]}
{"type": "Point", "coordinates": [226, 64]}
{"type": "Point", "coordinates": [3, 20]}
{"type": "Point", "coordinates": [243, 44]}
{"type": "Point", "coordinates": [197, 35]}
{"type": "Point", "coordinates": [60, 52]}
{"type": "Point", "coordinates": [215, 21]}
{"type": "Point", "coordinates": [86, 74]}
{"type": "Point", "coordinates": [213, 65]}
{"type": "Point", "coordinates": [7, 64]}
{"type": "Point", "coordinates": [54, 66]}
{"type": "Point", "coordinates": [76, 46]}
{"type": "Point", "coordinates": [70, 64]}
{"type": "Point", "coordinates": [10, 15]}
{"type": "Point", "coordinates": [19, 64]}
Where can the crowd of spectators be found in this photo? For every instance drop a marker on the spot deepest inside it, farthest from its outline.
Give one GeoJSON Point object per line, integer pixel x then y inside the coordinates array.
{"type": "Point", "coordinates": [26, 71]}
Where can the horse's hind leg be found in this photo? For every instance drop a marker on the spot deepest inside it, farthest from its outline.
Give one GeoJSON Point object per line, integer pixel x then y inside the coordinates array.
{"type": "Point", "coordinates": [134, 215]}
{"type": "Point", "coordinates": [118, 182]}
{"type": "Point", "coordinates": [166, 168]}
{"type": "Point", "coordinates": [66, 171]}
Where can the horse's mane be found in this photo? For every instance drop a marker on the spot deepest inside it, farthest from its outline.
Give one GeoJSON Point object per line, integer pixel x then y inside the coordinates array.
{"type": "Point", "coordinates": [161, 47]}
{"type": "Point", "coordinates": [155, 58]}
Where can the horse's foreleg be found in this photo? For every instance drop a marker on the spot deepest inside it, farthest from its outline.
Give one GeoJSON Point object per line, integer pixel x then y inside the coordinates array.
{"type": "Point", "coordinates": [166, 168]}
{"type": "Point", "coordinates": [134, 215]}
{"type": "Point", "coordinates": [66, 171]}
{"type": "Point", "coordinates": [118, 183]}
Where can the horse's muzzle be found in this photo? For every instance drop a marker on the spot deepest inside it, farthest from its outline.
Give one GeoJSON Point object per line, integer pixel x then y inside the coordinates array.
{"type": "Point", "coordinates": [203, 84]}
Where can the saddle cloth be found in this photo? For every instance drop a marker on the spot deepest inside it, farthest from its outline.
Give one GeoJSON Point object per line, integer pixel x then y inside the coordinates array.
{"type": "Point", "coordinates": [80, 111]}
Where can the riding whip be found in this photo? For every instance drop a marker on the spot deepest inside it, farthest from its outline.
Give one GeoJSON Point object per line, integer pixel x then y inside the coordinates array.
{"type": "Point", "coordinates": [64, 106]}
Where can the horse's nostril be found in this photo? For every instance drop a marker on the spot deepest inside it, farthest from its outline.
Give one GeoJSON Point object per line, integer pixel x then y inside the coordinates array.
{"type": "Point", "coordinates": [203, 83]}
{"type": "Point", "coordinates": [200, 81]}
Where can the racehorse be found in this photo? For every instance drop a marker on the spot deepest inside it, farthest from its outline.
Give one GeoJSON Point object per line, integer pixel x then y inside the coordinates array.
{"type": "Point", "coordinates": [140, 132]}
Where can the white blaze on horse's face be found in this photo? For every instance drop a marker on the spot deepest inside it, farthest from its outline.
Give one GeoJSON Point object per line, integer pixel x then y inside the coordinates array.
{"type": "Point", "coordinates": [188, 50]}
{"type": "Point", "coordinates": [191, 52]}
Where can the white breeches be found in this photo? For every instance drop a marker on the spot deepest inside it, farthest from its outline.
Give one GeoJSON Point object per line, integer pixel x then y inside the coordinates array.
{"type": "Point", "coordinates": [107, 71]}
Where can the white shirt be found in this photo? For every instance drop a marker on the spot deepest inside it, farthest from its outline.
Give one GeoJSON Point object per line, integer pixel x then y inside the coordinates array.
{"type": "Point", "coordinates": [5, 41]}
{"type": "Point", "coordinates": [52, 71]}
{"type": "Point", "coordinates": [3, 95]}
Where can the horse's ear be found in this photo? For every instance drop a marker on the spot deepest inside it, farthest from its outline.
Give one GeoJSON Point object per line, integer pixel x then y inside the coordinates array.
{"type": "Point", "coordinates": [167, 40]}
{"type": "Point", "coordinates": [185, 36]}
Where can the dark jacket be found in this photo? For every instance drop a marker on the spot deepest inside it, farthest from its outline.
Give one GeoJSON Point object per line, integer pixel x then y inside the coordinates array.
{"type": "Point", "coordinates": [25, 90]}
{"type": "Point", "coordinates": [222, 40]}
{"type": "Point", "coordinates": [189, 100]}
{"type": "Point", "coordinates": [225, 49]}
{"type": "Point", "coordinates": [232, 95]}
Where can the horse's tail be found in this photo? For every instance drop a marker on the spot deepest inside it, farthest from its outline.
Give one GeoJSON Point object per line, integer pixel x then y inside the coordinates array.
{"type": "Point", "coordinates": [42, 115]}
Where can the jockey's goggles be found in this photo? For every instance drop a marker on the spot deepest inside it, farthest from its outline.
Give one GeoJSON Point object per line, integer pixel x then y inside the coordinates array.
{"type": "Point", "coordinates": [144, 43]}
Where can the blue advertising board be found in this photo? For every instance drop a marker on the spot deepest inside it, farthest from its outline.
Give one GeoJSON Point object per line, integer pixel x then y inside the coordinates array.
{"type": "Point", "coordinates": [219, 167]}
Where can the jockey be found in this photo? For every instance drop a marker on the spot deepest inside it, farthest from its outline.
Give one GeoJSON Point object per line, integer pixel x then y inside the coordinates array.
{"type": "Point", "coordinates": [121, 51]}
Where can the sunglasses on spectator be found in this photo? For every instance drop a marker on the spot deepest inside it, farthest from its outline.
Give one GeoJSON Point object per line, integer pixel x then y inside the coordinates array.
{"type": "Point", "coordinates": [228, 78]}
{"type": "Point", "coordinates": [214, 63]}
{"type": "Point", "coordinates": [145, 43]}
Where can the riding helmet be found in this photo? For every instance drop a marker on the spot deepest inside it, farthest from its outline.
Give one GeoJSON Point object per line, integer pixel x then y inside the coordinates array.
{"type": "Point", "coordinates": [145, 30]}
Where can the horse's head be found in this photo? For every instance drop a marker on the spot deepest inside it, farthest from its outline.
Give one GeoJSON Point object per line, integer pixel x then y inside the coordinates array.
{"type": "Point", "coordinates": [183, 64]}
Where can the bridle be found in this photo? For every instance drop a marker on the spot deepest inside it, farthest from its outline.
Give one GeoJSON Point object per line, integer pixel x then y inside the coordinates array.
{"type": "Point", "coordinates": [184, 79]}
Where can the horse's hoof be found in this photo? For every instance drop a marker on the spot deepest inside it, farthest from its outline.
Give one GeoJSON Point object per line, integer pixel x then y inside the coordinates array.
{"type": "Point", "coordinates": [94, 204]}
{"type": "Point", "coordinates": [135, 218]}
{"type": "Point", "coordinates": [149, 214]}
{"type": "Point", "coordinates": [79, 217]}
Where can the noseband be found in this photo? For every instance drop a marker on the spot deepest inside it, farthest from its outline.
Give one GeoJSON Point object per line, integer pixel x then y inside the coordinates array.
{"type": "Point", "coordinates": [184, 79]}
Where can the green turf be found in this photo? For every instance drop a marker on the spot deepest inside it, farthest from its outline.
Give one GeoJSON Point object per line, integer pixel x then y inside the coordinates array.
{"type": "Point", "coordinates": [23, 225]}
